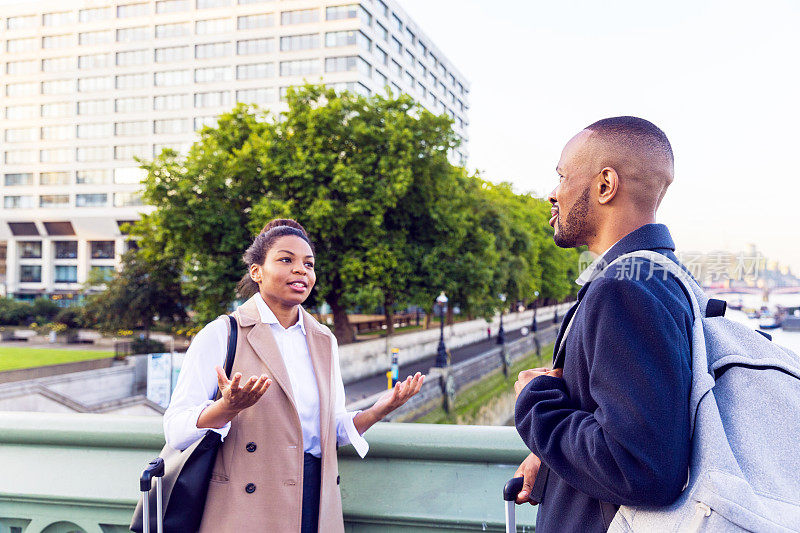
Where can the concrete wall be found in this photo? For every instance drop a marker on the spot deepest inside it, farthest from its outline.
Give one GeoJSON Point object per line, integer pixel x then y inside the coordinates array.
{"type": "Point", "coordinates": [368, 358]}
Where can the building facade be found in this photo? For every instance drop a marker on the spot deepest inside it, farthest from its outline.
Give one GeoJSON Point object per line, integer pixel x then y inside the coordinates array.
{"type": "Point", "coordinates": [89, 85]}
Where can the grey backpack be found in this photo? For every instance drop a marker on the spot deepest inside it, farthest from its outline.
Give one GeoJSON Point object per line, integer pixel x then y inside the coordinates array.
{"type": "Point", "coordinates": [744, 470]}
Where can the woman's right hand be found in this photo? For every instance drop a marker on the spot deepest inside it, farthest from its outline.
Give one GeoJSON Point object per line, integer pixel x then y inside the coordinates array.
{"type": "Point", "coordinates": [236, 397]}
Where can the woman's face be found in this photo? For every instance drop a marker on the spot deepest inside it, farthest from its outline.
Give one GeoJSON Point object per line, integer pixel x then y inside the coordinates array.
{"type": "Point", "coordinates": [287, 275]}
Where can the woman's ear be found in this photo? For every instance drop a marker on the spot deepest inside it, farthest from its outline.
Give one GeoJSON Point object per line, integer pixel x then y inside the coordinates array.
{"type": "Point", "coordinates": [255, 273]}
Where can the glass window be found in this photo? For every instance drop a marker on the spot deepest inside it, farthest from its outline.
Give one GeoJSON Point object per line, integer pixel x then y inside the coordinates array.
{"type": "Point", "coordinates": [129, 35]}
{"type": "Point", "coordinates": [255, 71]}
{"type": "Point", "coordinates": [58, 87]}
{"type": "Point", "coordinates": [29, 66]}
{"type": "Point", "coordinates": [210, 50]}
{"type": "Point", "coordinates": [22, 89]}
{"type": "Point", "coordinates": [30, 249]}
{"type": "Point", "coordinates": [21, 22]}
{"type": "Point", "coordinates": [55, 155]}
{"type": "Point", "coordinates": [300, 42]}
{"type": "Point", "coordinates": [18, 157]}
{"type": "Point", "coordinates": [353, 87]}
{"type": "Point", "coordinates": [102, 249]}
{"type": "Point", "coordinates": [410, 35]}
{"type": "Point", "coordinates": [396, 68]}
{"type": "Point", "coordinates": [398, 48]}
{"type": "Point", "coordinates": [341, 12]}
{"type": "Point", "coordinates": [93, 177]}
{"type": "Point", "coordinates": [66, 249]}
{"type": "Point", "coordinates": [383, 33]}
{"type": "Point", "coordinates": [133, 10]}
{"type": "Point", "coordinates": [409, 79]}
{"type": "Point", "coordinates": [347, 63]}
{"type": "Point", "coordinates": [173, 53]}
{"type": "Point", "coordinates": [21, 135]}
{"type": "Point", "coordinates": [129, 175]}
{"type": "Point", "coordinates": [383, 57]}
{"type": "Point", "coordinates": [255, 46]}
{"type": "Point", "coordinates": [58, 64]}
{"type": "Point", "coordinates": [243, 2]}
{"type": "Point", "coordinates": [207, 4]}
{"type": "Point", "coordinates": [103, 273]}
{"type": "Point", "coordinates": [171, 125]}
{"type": "Point", "coordinates": [94, 13]}
{"type": "Point", "coordinates": [300, 16]}
{"type": "Point", "coordinates": [203, 122]}
{"type": "Point", "coordinates": [94, 61]}
{"type": "Point", "coordinates": [19, 112]}
{"type": "Point", "coordinates": [19, 178]}
{"type": "Point", "coordinates": [57, 133]}
{"type": "Point", "coordinates": [57, 41]}
{"type": "Point", "coordinates": [95, 83]}
{"type": "Point", "coordinates": [58, 19]}
{"type": "Point", "coordinates": [27, 44]}
{"type": "Point", "coordinates": [171, 101]}
{"type": "Point", "coordinates": [127, 152]}
{"type": "Point", "coordinates": [95, 107]}
{"type": "Point", "coordinates": [398, 24]}
{"type": "Point", "coordinates": [95, 131]}
{"type": "Point", "coordinates": [212, 74]}
{"type": "Point", "coordinates": [93, 153]}
{"type": "Point", "coordinates": [301, 67]}
{"type": "Point", "coordinates": [30, 273]}
{"type": "Point", "coordinates": [133, 128]}
{"type": "Point", "coordinates": [133, 81]}
{"type": "Point", "coordinates": [384, 8]}
{"type": "Point", "coordinates": [213, 99]}
{"type": "Point", "coordinates": [54, 200]}
{"type": "Point", "coordinates": [173, 77]}
{"type": "Point", "coordinates": [127, 199]}
{"type": "Point", "coordinates": [251, 22]}
{"type": "Point", "coordinates": [178, 29]}
{"type": "Point", "coordinates": [263, 95]}
{"type": "Point", "coordinates": [57, 109]}
{"type": "Point", "coordinates": [91, 200]}
{"type": "Point", "coordinates": [54, 178]}
{"type": "Point", "coordinates": [18, 202]}
{"type": "Point", "coordinates": [409, 57]}
{"type": "Point", "coordinates": [205, 27]}
{"type": "Point", "coordinates": [340, 38]}
{"type": "Point", "coordinates": [132, 105]}
{"type": "Point", "coordinates": [381, 78]}
{"type": "Point", "coordinates": [171, 6]}
{"type": "Point", "coordinates": [95, 37]}
{"type": "Point", "coordinates": [66, 274]}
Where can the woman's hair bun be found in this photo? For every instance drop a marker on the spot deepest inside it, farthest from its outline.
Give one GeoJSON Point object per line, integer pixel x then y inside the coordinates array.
{"type": "Point", "coordinates": [278, 222]}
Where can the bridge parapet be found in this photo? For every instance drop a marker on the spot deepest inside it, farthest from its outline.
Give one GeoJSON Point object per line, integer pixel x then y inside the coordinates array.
{"type": "Point", "coordinates": [78, 472]}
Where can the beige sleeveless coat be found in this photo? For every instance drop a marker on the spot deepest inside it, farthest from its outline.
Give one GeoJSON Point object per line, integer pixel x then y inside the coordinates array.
{"type": "Point", "coordinates": [257, 481]}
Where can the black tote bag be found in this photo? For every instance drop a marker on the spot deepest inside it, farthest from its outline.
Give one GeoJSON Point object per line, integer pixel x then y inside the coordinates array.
{"type": "Point", "coordinates": [187, 473]}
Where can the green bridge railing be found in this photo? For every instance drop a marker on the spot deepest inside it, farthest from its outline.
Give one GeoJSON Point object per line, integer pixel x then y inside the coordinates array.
{"type": "Point", "coordinates": [65, 473]}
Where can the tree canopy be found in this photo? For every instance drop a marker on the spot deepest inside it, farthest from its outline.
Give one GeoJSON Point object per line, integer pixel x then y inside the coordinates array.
{"type": "Point", "coordinates": [393, 221]}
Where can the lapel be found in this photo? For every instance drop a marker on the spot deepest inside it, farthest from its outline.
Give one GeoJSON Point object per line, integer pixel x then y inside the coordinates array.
{"type": "Point", "coordinates": [266, 348]}
{"type": "Point", "coordinates": [320, 350]}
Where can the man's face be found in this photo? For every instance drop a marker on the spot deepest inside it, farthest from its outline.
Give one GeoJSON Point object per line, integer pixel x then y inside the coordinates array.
{"type": "Point", "coordinates": [571, 207]}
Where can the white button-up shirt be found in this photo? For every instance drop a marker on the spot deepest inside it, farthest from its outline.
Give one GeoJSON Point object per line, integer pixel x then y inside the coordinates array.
{"type": "Point", "coordinates": [197, 383]}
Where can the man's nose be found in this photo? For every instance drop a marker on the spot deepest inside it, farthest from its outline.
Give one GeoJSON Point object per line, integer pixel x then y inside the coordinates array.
{"type": "Point", "coordinates": [552, 198]}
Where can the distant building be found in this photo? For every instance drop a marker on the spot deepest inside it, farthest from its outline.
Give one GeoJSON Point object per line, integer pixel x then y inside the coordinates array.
{"type": "Point", "coordinates": [86, 86]}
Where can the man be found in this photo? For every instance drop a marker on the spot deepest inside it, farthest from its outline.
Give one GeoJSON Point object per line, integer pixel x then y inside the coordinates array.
{"type": "Point", "coordinates": [611, 426]}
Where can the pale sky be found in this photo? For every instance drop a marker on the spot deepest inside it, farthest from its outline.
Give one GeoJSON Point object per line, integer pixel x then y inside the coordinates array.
{"type": "Point", "coordinates": [719, 77]}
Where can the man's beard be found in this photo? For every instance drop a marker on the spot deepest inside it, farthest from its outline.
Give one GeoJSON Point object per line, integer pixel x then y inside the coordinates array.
{"type": "Point", "coordinates": [572, 231]}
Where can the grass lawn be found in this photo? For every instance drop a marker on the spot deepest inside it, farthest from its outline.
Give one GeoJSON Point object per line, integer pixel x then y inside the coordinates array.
{"type": "Point", "coordinates": [12, 358]}
{"type": "Point", "coordinates": [470, 400]}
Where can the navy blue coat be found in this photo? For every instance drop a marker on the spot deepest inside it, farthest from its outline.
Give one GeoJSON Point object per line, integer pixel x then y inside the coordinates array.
{"type": "Point", "coordinates": [615, 429]}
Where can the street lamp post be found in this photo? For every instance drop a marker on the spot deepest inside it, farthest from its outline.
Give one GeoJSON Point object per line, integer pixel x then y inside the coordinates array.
{"type": "Point", "coordinates": [535, 305]}
{"type": "Point", "coordinates": [441, 352]}
{"type": "Point", "coordinates": [501, 333]}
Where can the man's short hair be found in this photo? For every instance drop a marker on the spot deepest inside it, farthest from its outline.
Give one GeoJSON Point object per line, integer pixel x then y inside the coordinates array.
{"type": "Point", "coordinates": [637, 133]}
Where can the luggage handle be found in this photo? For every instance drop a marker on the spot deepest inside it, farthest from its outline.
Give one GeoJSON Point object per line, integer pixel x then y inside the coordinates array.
{"type": "Point", "coordinates": [155, 469]}
{"type": "Point", "coordinates": [510, 493]}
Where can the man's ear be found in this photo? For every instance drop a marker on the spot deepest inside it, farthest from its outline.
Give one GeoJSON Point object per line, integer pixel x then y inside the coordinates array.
{"type": "Point", "coordinates": [607, 185]}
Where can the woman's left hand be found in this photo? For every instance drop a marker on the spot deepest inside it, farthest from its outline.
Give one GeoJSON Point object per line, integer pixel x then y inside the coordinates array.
{"type": "Point", "coordinates": [399, 394]}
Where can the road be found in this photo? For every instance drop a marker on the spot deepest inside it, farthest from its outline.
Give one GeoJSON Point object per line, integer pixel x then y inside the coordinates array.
{"type": "Point", "coordinates": [373, 384]}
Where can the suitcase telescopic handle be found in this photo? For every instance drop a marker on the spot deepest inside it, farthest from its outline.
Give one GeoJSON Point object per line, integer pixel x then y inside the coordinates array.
{"type": "Point", "coordinates": [513, 488]}
{"type": "Point", "coordinates": [154, 469]}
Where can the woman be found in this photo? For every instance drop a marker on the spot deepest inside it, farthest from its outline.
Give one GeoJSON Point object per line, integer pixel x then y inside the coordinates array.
{"type": "Point", "coordinates": [277, 467]}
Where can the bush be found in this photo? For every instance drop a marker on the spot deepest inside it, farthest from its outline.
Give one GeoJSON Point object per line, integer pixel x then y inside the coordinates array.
{"type": "Point", "coordinates": [15, 313]}
{"type": "Point", "coordinates": [147, 346]}
{"type": "Point", "coordinates": [44, 310]}
{"type": "Point", "coordinates": [70, 317]}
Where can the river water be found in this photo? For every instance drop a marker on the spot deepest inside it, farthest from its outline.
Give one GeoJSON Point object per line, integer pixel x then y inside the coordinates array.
{"type": "Point", "coordinates": [789, 339]}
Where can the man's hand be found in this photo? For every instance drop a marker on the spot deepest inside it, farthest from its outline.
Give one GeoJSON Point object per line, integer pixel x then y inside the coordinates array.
{"type": "Point", "coordinates": [527, 375]}
{"type": "Point", "coordinates": [237, 397]}
{"type": "Point", "coordinates": [527, 470]}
